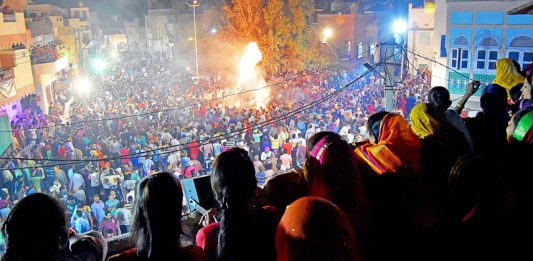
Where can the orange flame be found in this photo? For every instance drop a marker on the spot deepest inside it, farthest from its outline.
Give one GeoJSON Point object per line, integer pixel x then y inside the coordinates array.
{"type": "Point", "coordinates": [249, 76]}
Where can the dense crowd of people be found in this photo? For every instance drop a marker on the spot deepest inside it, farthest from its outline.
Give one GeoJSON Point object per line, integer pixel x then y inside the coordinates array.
{"type": "Point", "coordinates": [185, 141]}
{"type": "Point", "coordinates": [419, 182]}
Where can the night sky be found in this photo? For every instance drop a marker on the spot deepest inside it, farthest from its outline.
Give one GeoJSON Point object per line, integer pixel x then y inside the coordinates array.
{"type": "Point", "coordinates": [137, 8]}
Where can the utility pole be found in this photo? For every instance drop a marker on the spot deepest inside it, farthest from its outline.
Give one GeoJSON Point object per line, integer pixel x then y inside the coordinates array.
{"type": "Point", "coordinates": [388, 60]}
{"type": "Point", "coordinates": [195, 4]}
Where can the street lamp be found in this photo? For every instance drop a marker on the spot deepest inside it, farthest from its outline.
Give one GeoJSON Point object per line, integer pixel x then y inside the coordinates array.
{"type": "Point", "coordinates": [328, 33]}
{"type": "Point", "coordinates": [399, 27]}
{"type": "Point", "coordinates": [83, 85]}
{"type": "Point", "coordinates": [99, 65]}
{"type": "Point", "coordinates": [195, 4]}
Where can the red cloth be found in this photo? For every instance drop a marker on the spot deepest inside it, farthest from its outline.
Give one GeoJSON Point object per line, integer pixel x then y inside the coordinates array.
{"type": "Point", "coordinates": [62, 152]}
{"type": "Point", "coordinates": [124, 152]}
{"type": "Point", "coordinates": [194, 148]}
{"type": "Point", "coordinates": [287, 147]}
{"type": "Point", "coordinates": [206, 239]}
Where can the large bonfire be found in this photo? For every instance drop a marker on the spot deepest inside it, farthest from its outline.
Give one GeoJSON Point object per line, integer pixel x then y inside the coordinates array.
{"type": "Point", "coordinates": [250, 77]}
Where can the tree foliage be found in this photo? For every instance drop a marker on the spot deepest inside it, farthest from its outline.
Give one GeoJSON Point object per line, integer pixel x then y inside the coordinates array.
{"type": "Point", "coordinates": [281, 28]}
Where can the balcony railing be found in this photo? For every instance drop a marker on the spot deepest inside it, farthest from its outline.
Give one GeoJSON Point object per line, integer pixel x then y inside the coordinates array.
{"type": "Point", "coordinates": [46, 54]}
{"type": "Point", "coordinates": [9, 17]}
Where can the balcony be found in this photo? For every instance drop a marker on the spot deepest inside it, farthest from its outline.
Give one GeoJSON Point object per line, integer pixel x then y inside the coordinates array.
{"type": "Point", "coordinates": [16, 78]}
{"type": "Point", "coordinates": [50, 66]}
{"type": "Point", "coordinates": [46, 54]}
{"type": "Point", "coordinates": [9, 18]}
{"type": "Point", "coordinates": [12, 24]}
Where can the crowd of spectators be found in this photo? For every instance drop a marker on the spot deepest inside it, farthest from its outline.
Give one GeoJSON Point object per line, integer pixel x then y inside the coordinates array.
{"type": "Point", "coordinates": [432, 187]}
{"type": "Point", "coordinates": [47, 53]}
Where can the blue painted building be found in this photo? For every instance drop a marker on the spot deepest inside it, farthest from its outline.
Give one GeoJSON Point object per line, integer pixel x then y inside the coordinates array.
{"type": "Point", "coordinates": [478, 33]}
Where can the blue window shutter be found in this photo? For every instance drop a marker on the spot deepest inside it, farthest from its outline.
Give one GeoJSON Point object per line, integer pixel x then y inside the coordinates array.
{"type": "Point", "coordinates": [443, 46]}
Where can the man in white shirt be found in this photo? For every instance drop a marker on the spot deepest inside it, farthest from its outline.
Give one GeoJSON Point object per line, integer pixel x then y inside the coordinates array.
{"type": "Point", "coordinates": [344, 130]}
{"type": "Point", "coordinates": [173, 160]}
{"type": "Point", "coordinates": [267, 155]}
{"type": "Point", "coordinates": [76, 182]}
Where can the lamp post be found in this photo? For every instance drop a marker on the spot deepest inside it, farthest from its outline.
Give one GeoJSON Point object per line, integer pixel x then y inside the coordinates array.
{"type": "Point", "coordinates": [389, 60]}
{"type": "Point", "coordinates": [400, 28]}
{"type": "Point", "coordinates": [195, 4]}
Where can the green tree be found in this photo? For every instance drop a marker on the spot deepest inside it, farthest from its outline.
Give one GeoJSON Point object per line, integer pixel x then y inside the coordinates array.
{"type": "Point", "coordinates": [244, 19]}
{"type": "Point", "coordinates": [275, 40]}
{"type": "Point", "coordinates": [279, 26]}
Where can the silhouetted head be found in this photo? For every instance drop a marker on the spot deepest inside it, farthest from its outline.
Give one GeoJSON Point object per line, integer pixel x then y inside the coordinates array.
{"type": "Point", "coordinates": [439, 98]}
{"type": "Point", "coordinates": [494, 99]}
{"type": "Point", "coordinates": [36, 229]}
{"type": "Point", "coordinates": [520, 127]}
{"type": "Point", "coordinates": [374, 125]}
{"type": "Point", "coordinates": [156, 226]}
{"type": "Point", "coordinates": [233, 179]}
{"type": "Point", "coordinates": [313, 228]}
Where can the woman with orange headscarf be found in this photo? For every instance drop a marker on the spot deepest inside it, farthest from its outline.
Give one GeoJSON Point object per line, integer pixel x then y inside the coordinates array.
{"type": "Point", "coordinates": [507, 75]}
{"type": "Point", "coordinates": [393, 145]}
{"type": "Point", "coordinates": [400, 206]}
{"type": "Point", "coordinates": [313, 228]}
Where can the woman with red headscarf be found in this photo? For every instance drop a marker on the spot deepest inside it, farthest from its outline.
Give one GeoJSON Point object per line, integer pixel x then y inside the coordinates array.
{"type": "Point", "coordinates": [331, 172]}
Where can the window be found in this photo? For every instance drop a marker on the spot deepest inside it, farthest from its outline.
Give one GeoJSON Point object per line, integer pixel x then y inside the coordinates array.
{"type": "Point", "coordinates": [527, 59]}
{"type": "Point", "coordinates": [372, 48]}
{"type": "Point", "coordinates": [481, 56]}
{"type": "Point", "coordinates": [486, 60]}
{"type": "Point", "coordinates": [460, 53]}
{"type": "Point", "coordinates": [487, 54]}
{"type": "Point", "coordinates": [359, 50]}
{"type": "Point", "coordinates": [460, 41]}
{"type": "Point", "coordinates": [521, 50]}
{"type": "Point", "coordinates": [524, 58]}
{"type": "Point", "coordinates": [459, 59]}
{"type": "Point", "coordinates": [424, 38]}
{"type": "Point", "coordinates": [348, 46]}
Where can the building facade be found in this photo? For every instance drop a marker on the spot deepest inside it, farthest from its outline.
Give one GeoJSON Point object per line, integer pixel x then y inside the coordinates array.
{"type": "Point", "coordinates": [160, 31]}
{"type": "Point", "coordinates": [136, 35]}
{"type": "Point", "coordinates": [420, 35]}
{"type": "Point", "coordinates": [474, 36]}
{"type": "Point", "coordinates": [341, 27]}
{"type": "Point", "coordinates": [16, 78]}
